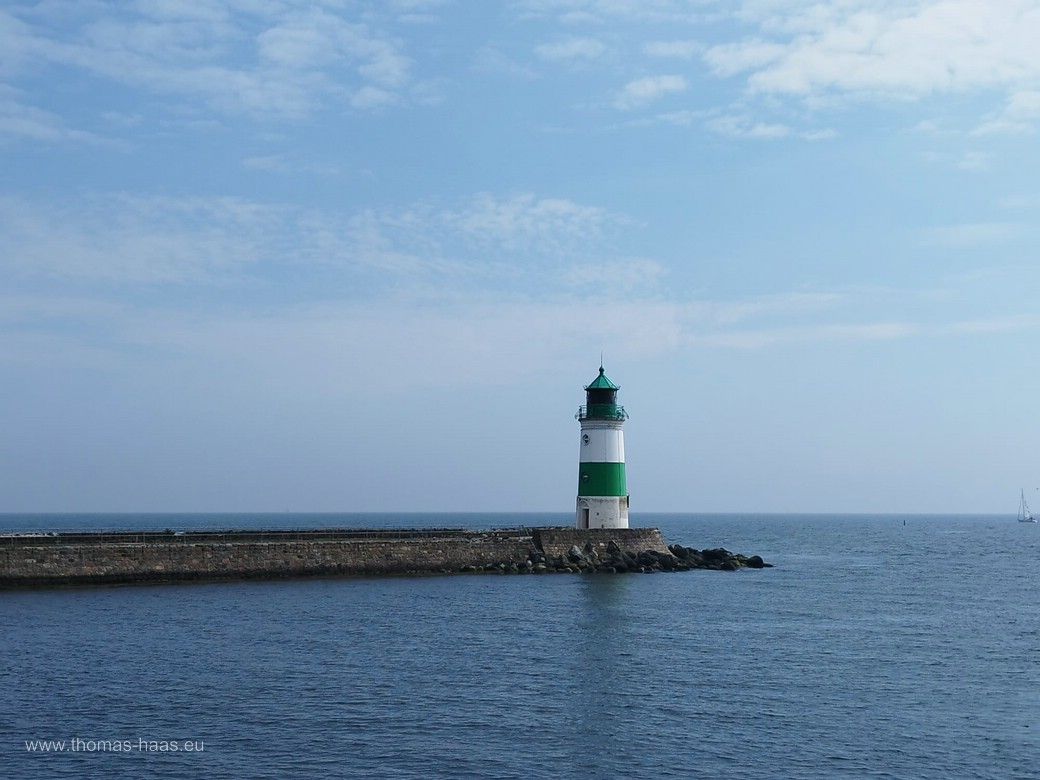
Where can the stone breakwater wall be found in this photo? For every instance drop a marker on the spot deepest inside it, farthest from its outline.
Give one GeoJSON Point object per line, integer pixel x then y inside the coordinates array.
{"type": "Point", "coordinates": [68, 559]}
{"type": "Point", "coordinates": [556, 542]}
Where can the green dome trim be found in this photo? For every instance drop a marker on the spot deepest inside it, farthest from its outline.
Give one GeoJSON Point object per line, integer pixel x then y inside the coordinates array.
{"type": "Point", "coordinates": [602, 382]}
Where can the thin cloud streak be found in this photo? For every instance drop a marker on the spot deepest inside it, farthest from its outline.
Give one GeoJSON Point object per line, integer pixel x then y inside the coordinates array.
{"type": "Point", "coordinates": [571, 49]}
{"type": "Point", "coordinates": [300, 60]}
{"type": "Point", "coordinates": [455, 339]}
{"type": "Point", "coordinates": [134, 239]}
{"type": "Point", "coordinates": [971, 234]}
{"type": "Point", "coordinates": [862, 332]}
{"type": "Point", "coordinates": [642, 91]}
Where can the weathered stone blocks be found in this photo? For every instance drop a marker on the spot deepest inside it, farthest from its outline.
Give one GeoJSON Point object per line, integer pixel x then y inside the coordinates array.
{"type": "Point", "coordinates": [65, 559]}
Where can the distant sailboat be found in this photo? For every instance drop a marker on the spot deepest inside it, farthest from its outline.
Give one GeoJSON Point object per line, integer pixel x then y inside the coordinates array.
{"type": "Point", "coordinates": [1024, 513]}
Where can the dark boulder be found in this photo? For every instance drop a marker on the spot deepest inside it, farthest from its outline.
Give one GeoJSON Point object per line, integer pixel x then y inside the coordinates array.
{"type": "Point", "coordinates": [667, 562]}
{"type": "Point", "coordinates": [645, 558]}
{"type": "Point", "coordinates": [717, 555]}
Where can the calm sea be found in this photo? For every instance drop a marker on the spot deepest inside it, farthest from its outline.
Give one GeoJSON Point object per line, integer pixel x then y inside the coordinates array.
{"type": "Point", "coordinates": [887, 647]}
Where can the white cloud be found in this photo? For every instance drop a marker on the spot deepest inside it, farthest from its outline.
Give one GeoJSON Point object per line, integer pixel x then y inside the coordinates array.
{"type": "Point", "coordinates": [729, 59]}
{"type": "Point", "coordinates": [881, 47]}
{"type": "Point", "coordinates": [743, 127]}
{"type": "Point", "coordinates": [762, 338]}
{"type": "Point", "coordinates": [489, 59]}
{"type": "Point", "coordinates": [971, 234]}
{"type": "Point", "coordinates": [524, 221]}
{"type": "Point", "coordinates": [154, 240]}
{"type": "Point", "coordinates": [827, 54]}
{"type": "Point", "coordinates": [994, 325]}
{"type": "Point", "coordinates": [633, 11]}
{"type": "Point", "coordinates": [157, 240]}
{"type": "Point", "coordinates": [683, 50]}
{"type": "Point", "coordinates": [927, 127]}
{"type": "Point", "coordinates": [140, 240]}
{"type": "Point", "coordinates": [752, 339]}
{"type": "Point", "coordinates": [18, 120]}
{"type": "Point", "coordinates": [373, 97]}
{"type": "Point", "coordinates": [975, 161]}
{"type": "Point", "coordinates": [122, 119]}
{"type": "Point", "coordinates": [684, 118]}
{"type": "Point", "coordinates": [281, 163]}
{"type": "Point", "coordinates": [267, 60]}
{"type": "Point", "coordinates": [32, 309]}
{"type": "Point", "coordinates": [792, 304]}
{"type": "Point", "coordinates": [824, 134]}
{"type": "Point", "coordinates": [1020, 202]}
{"type": "Point", "coordinates": [1020, 115]}
{"type": "Point", "coordinates": [579, 18]}
{"type": "Point", "coordinates": [619, 277]}
{"type": "Point", "coordinates": [273, 163]}
{"type": "Point", "coordinates": [571, 49]}
{"type": "Point", "coordinates": [640, 92]}
{"type": "Point", "coordinates": [443, 340]}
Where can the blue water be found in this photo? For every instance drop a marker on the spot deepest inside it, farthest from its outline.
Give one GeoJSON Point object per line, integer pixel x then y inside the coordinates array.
{"type": "Point", "coordinates": [873, 649]}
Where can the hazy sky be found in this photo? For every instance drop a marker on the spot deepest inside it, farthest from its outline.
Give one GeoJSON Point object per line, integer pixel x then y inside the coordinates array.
{"type": "Point", "coordinates": [363, 256]}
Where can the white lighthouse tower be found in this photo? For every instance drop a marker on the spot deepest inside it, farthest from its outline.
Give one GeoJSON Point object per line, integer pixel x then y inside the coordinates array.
{"type": "Point", "coordinates": [602, 486]}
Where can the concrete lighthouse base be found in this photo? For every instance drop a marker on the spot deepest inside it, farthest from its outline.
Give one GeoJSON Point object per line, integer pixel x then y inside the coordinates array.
{"type": "Point", "coordinates": [601, 512]}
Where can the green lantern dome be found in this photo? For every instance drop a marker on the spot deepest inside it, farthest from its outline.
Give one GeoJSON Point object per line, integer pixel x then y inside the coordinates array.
{"type": "Point", "coordinates": [601, 400]}
{"type": "Point", "coordinates": [602, 382]}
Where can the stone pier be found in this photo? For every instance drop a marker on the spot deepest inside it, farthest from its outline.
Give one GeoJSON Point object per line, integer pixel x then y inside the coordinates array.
{"type": "Point", "coordinates": [99, 558]}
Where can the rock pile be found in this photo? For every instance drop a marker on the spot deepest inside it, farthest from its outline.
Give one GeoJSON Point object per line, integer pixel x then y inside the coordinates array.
{"type": "Point", "coordinates": [719, 558]}
{"type": "Point", "coordinates": [614, 560]}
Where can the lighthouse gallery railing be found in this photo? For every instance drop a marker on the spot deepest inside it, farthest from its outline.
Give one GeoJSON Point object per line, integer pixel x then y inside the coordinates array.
{"type": "Point", "coordinates": [601, 412]}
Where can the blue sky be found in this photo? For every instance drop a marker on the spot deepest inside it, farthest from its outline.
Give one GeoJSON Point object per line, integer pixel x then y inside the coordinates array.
{"type": "Point", "coordinates": [362, 256]}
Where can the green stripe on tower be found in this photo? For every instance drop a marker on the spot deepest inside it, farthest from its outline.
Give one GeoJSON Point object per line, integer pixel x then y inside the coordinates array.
{"type": "Point", "coordinates": [602, 479]}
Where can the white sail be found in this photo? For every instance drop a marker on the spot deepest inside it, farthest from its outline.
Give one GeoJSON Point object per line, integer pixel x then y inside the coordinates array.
{"type": "Point", "coordinates": [1025, 515]}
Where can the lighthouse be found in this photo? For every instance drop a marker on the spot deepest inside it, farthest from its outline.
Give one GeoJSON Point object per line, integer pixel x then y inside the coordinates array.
{"type": "Point", "coordinates": [602, 487]}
